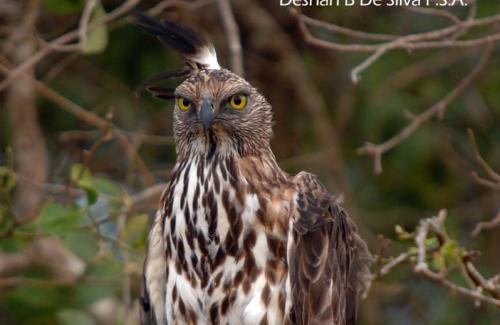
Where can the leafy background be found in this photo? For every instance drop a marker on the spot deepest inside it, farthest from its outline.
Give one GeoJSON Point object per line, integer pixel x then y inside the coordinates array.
{"type": "Point", "coordinates": [96, 211]}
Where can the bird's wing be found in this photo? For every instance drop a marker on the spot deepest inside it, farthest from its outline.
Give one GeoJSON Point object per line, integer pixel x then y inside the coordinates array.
{"type": "Point", "coordinates": [152, 308]}
{"type": "Point", "coordinates": [328, 261]}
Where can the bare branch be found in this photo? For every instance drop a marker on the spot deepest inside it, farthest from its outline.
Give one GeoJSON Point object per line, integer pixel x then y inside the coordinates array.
{"type": "Point", "coordinates": [347, 31]}
{"type": "Point", "coordinates": [28, 140]}
{"type": "Point", "coordinates": [438, 109]}
{"type": "Point", "coordinates": [480, 160]}
{"type": "Point", "coordinates": [106, 135]}
{"type": "Point", "coordinates": [152, 193]}
{"type": "Point", "coordinates": [59, 42]}
{"type": "Point", "coordinates": [232, 35]}
{"type": "Point", "coordinates": [404, 42]}
{"type": "Point", "coordinates": [480, 281]}
{"type": "Point", "coordinates": [440, 38]}
{"type": "Point", "coordinates": [407, 42]}
{"type": "Point", "coordinates": [85, 20]}
{"type": "Point", "coordinates": [385, 270]}
{"type": "Point", "coordinates": [495, 222]}
{"type": "Point", "coordinates": [433, 228]}
{"type": "Point", "coordinates": [435, 12]}
{"type": "Point", "coordinates": [91, 119]}
{"type": "Point", "coordinates": [169, 4]}
{"type": "Point", "coordinates": [435, 225]}
{"type": "Point", "coordinates": [473, 294]}
{"type": "Point", "coordinates": [486, 182]}
{"type": "Point", "coordinates": [77, 135]}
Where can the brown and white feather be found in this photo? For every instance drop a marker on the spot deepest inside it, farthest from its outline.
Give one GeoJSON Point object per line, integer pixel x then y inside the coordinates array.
{"type": "Point", "coordinates": [236, 239]}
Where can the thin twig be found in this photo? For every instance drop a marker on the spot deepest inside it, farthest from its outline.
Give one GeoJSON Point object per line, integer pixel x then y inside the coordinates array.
{"type": "Point", "coordinates": [495, 222]}
{"type": "Point", "coordinates": [480, 160]}
{"type": "Point", "coordinates": [85, 20]}
{"type": "Point", "coordinates": [416, 71]}
{"type": "Point", "coordinates": [480, 281]}
{"type": "Point", "coordinates": [59, 42]}
{"type": "Point", "coordinates": [435, 225]}
{"type": "Point", "coordinates": [106, 135]}
{"type": "Point", "coordinates": [49, 283]}
{"type": "Point", "coordinates": [407, 42]}
{"type": "Point", "coordinates": [426, 40]}
{"type": "Point", "coordinates": [150, 193]}
{"type": "Point", "coordinates": [91, 119]}
{"type": "Point", "coordinates": [78, 135]}
{"type": "Point", "coordinates": [347, 31]}
{"type": "Point", "coordinates": [169, 4]}
{"type": "Point", "coordinates": [232, 36]}
{"type": "Point", "coordinates": [434, 12]}
{"type": "Point", "coordinates": [438, 109]}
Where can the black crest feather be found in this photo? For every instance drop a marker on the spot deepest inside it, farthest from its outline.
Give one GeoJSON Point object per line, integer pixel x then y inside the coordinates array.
{"type": "Point", "coordinates": [172, 34]}
{"type": "Point", "coordinates": [150, 82]}
{"type": "Point", "coordinates": [198, 53]}
{"type": "Point", "coordinates": [161, 92]}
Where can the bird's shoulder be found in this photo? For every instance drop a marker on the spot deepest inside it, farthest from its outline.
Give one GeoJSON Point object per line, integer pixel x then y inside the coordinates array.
{"type": "Point", "coordinates": [315, 204]}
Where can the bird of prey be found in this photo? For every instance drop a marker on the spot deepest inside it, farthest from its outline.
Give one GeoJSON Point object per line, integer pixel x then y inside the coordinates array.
{"type": "Point", "coordinates": [237, 240]}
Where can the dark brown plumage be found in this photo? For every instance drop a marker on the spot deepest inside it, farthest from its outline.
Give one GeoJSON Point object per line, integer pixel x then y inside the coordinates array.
{"type": "Point", "coordinates": [236, 239]}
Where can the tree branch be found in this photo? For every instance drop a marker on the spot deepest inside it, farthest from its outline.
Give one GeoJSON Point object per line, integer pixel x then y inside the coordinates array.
{"type": "Point", "coordinates": [59, 43]}
{"type": "Point", "coordinates": [92, 119]}
{"type": "Point", "coordinates": [232, 36]}
{"type": "Point", "coordinates": [438, 109]}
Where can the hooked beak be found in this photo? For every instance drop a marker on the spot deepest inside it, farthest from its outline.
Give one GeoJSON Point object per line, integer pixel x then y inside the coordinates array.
{"type": "Point", "coordinates": [206, 113]}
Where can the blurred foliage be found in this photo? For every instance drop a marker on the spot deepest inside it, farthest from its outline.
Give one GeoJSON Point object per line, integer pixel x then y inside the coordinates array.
{"type": "Point", "coordinates": [90, 208]}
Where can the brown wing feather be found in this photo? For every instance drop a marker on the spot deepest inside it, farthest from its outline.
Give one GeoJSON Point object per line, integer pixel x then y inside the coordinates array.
{"type": "Point", "coordinates": [327, 259]}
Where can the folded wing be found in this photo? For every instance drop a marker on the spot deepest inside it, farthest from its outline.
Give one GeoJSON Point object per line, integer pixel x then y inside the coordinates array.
{"type": "Point", "coordinates": [328, 261]}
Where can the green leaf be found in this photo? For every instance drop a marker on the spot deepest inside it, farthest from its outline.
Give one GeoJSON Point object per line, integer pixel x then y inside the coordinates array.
{"type": "Point", "coordinates": [39, 301]}
{"type": "Point", "coordinates": [105, 186]}
{"type": "Point", "coordinates": [55, 219]}
{"type": "Point", "coordinates": [10, 158]}
{"type": "Point", "coordinates": [112, 192]}
{"type": "Point", "coordinates": [90, 292]}
{"type": "Point", "coordinates": [91, 192]}
{"type": "Point", "coordinates": [82, 177]}
{"type": "Point", "coordinates": [450, 250]}
{"type": "Point", "coordinates": [7, 179]}
{"type": "Point", "coordinates": [64, 6]}
{"type": "Point", "coordinates": [438, 261]}
{"type": "Point", "coordinates": [13, 244]}
{"type": "Point", "coordinates": [97, 40]}
{"type": "Point", "coordinates": [82, 243]}
{"type": "Point", "coordinates": [431, 242]}
{"type": "Point", "coordinates": [135, 232]}
{"type": "Point", "coordinates": [412, 250]}
{"type": "Point", "coordinates": [79, 172]}
{"type": "Point", "coordinates": [402, 234]}
{"type": "Point", "coordinates": [74, 317]}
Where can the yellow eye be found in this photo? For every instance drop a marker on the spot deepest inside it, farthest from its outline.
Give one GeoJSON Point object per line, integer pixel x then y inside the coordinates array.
{"type": "Point", "coordinates": [184, 104]}
{"type": "Point", "coordinates": [238, 101]}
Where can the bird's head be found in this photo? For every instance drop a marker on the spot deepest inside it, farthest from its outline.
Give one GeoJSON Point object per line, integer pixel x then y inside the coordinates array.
{"type": "Point", "coordinates": [215, 109]}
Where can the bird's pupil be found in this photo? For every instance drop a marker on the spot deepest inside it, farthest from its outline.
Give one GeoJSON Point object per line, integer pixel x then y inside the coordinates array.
{"type": "Point", "coordinates": [185, 102]}
{"type": "Point", "coordinates": [237, 100]}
